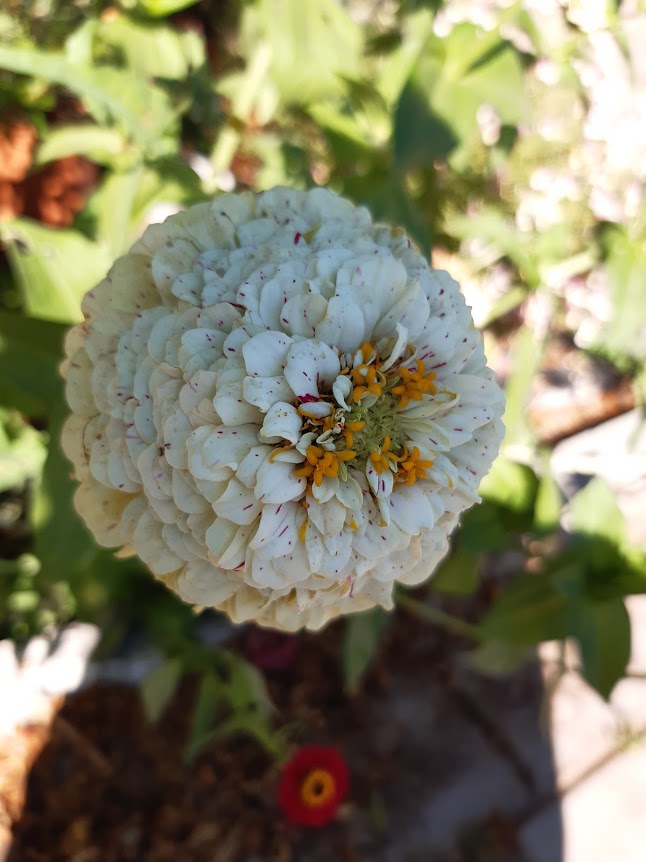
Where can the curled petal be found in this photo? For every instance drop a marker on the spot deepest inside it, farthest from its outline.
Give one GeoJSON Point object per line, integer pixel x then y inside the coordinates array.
{"type": "Point", "coordinates": [309, 365]}
{"type": "Point", "coordinates": [282, 422]}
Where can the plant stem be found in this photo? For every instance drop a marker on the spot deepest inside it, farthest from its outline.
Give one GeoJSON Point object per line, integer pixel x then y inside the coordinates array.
{"type": "Point", "coordinates": [438, 618]}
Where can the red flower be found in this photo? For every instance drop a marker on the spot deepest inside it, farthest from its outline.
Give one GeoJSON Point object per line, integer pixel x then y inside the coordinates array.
{"type": "Point", "coordinates": [313, 784]}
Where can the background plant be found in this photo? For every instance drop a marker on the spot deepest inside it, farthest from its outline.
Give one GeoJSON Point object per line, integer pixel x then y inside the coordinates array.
{"type": "Point", "coordinates": [489, 130]}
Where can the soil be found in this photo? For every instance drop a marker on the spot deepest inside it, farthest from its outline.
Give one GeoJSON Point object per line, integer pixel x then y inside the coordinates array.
{"type": "Point", "coordinates": [104, 785]}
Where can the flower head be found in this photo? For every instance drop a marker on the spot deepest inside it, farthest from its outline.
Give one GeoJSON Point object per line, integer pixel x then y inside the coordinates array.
{"type": "Point", "coordinates": [279, 406]}
{"type": "Point", "coordinates": [313, 784]}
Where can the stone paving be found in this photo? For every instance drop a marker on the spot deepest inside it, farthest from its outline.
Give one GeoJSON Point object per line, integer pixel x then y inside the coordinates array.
{"type": "Point", "coordinates": [599, 752]}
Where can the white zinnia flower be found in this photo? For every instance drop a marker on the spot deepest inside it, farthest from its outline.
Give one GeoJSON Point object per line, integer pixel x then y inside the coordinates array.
{"type": "Point", "coordinates": [279, 407]}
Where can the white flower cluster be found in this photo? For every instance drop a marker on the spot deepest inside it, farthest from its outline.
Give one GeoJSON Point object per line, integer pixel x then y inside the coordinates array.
{"type": "Point", "coordinates": [279, 407]}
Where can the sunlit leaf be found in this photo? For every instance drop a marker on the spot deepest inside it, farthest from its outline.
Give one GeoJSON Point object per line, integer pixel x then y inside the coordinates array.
{"type": "Point", "coordinates": [626, 270]}
{"type": "Point", "coordinates": [97, 143]}
{"type": "Point", "coordinates": [154, 49]}
{"type": "Point", "coordinates": [313, 44]}
{"type": "Point", "coordinates": [22, 451]}
{"type": "Point", "coordinates": [510, 484]}
{"type": "Point", "coordinates": [159, 8]}
{"type": "Point", "coordinates": [54, 268]}
{"type": "Point", "coordinates": [594, 511]}
{"type": "Point", "coordinates": [137, 106]}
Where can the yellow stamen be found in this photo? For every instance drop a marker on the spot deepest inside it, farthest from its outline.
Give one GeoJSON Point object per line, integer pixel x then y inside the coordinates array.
{"type": "Point", "coordinates": [384, 458]}
{"type": "Point", "coordinates": [414, 384]}
{"type": "Point", "coordinates": [411, 468]}
{"type": "Point", "coordinates": [322, 463]}
{"type": "Point", "coordinates": [350, 428]}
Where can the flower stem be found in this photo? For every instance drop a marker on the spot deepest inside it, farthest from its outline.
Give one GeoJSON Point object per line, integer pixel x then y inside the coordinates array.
{"type": "Point", "coordinates": [437, 617]}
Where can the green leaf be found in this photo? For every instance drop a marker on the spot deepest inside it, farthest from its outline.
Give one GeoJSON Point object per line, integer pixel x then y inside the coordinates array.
{"type": "Point", "coordinates": [97, 143]}
{"type": "Point", "coordinates": [497, 658]}
{"type": "Point", "coordinates": [120, 205]}
{"type": "Point", "coordinates": [549, 501]}
{"type": "Point", "coordinates": [313, 44]}
{"type": "Point", "coordinates": [159, 8]}
{"type": "Point", "coordinates": [387, 199]}
{"type": "Point", "coordinates": [458, 575]}
{"type": "Point", "coordinates": [158, 687]}
{"type": "Point", "coordinates": [54, 268]}
{"type": "Point", "coordinates": [526, 354]}
{"type": "Point", "coordinates": [457, 75]}
{"type": "Point", "coordinates": [360, 642]}
{"type": "Point", "coordinates": [30, 351]}
{"type": "Point", "coordinates": [204, 713]}
{"type": "Point", "coordinates": [22, 451]}
{"type": "Point", "coordinates": [510, 485]}
{"type": "Point", "coordinates": [138, 107]}
{"type": "Point", "coordinates": [246, 688]}
{"type": "Point", "coordinates": [420, 135]}
{"type": "Point", "coordinates": [154, 49]}
{"type": "Point", "coordinates": [594, 512]}
{"type": "Point", "coordinates": [626, 270]}
{"type": "Point", "coordinates": [112, 207]}
{"type": "Point", "coordinates": [603, 632]}
{"type": "Point", "coordinates": [532, 610]}
{"type": "Point", "coordinates": [482, 530]}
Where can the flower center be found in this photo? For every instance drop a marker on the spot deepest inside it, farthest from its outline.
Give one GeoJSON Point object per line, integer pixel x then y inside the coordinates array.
{"type": "Point", "coordinates": [359, 422]}
{"type": "Point", "coordinates": [318, 788]}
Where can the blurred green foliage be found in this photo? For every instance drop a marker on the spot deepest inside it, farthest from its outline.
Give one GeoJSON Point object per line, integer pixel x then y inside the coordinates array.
{"type": "Point", "coordinates": [175, 100]}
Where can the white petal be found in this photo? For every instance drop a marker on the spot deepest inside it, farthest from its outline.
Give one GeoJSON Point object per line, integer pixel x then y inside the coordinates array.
{"type": "Point", "coordinates": [238, 503]}
{"type": "Point", "coordinates": [152, 548]}
{"type": "Point", "coordinates": [301, 314]}
{"type": "Point", "coordinates": [315, 409]}
{"type": "Point", "coordinates": [215, 452]}
{"type": "Point", "coordinates": [310, 364]}
{"type": "Point", "coordinates": [219, 536]}
{"type": "Point", "coordinates": [186, 497]}
{"type": "Point", "coordinates": [398, 348]}
{"type": "Point", "coordinates": [343, 325]}
{"type": "Point", "coordinates": [264, 573]}
{"type": "Point", "coordinates": [349, 493]}
{"type": "Point", "coordinates": [341, 389]}
{"type": "Point", "coordinates": [232, 406]}
{"type": "Point", "coordinates": [374, 283]}
{"type": "Point", "coordinates": [174, 538]}
{"type": "Point", "coordinates": [202, 584]}
{"type": "Point", "coordinates": [328, 517]}
{"type": "Point", "coordinates": [250, 464]}
{"type": "Point", "coordinates": [411, 509]}
{"type": "Point", "coordinates": [265, 354]}
{"type": "Point", "coordinates": [277, 483]}
{"type": "Point", "coordinates": [282, 422]}
{"type": "Point", "coordinates": [326, 490]}
{"type": "Point", "coordinates": [265, 391]}
{"type": "Point", "coordinates": [277, 532]}
{"type": "Point", "coordinates": [411, 311]}
{"type": "Point", "coordinates": [235, 555]}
